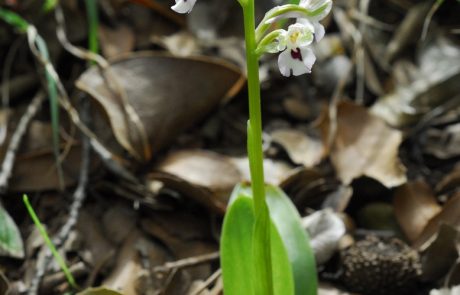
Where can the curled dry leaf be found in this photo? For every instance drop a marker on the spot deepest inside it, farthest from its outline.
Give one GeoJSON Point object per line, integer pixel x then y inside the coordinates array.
{"type": "Point", "coordinates": [414, 205]}
{"type": "Point", "coordinates": [364, 146]}
{"type": "Point", "coordinates": [167, 94]}
{"type": "Point", "coordinates": [439, 257]}
{"type": "Point", "coordinates": [301, 148]}
{"type": "Point", "coordinates": [325, 228]}
{"type": "Point", "coordinates": [205, 176]}
{"type": "Point", "coordinates": [448, 215]}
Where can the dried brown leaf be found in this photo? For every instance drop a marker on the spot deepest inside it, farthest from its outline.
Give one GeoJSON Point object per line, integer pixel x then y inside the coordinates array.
{"type": "Point", "coordinates": [415, 205]}
{"type": "Point", "coordinates": [168, 94]}
{"type": "Point", "coordinates": [202, 175]}
{"type": "Point", "coordinates": [301, 148]}
{"type": "Point", "coordinates": [365, 146]}
{"type": "Point", "coordinates": [449, 215]}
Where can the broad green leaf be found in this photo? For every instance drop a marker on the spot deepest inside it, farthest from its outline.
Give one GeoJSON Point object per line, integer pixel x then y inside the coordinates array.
{"type": "Point", "coordinates": [237, 261]}
{"type": "Point", "coordinates": [287, 221]}
{"type": "Point", "coordinates": [99, 291]}
{"type": "Point", "coordinates": [11, 244]}
{"type": "Point", "coordinates": [236, 248]}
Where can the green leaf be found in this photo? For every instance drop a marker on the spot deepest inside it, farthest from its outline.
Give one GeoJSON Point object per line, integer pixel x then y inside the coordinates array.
{"type": "Point", "coordinates": [236, 248]}
{"type": "Point", "coordinates": [288, 224]}
{"type": "Point", "coordinates": [239, 270]}
{"type": "Point", "coordinates": [11, 244]}
{"type": "Point", "coordinates": [99, 291]}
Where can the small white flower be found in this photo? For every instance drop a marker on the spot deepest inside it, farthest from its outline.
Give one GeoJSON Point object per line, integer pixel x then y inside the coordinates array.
{"type": "Point", "coordinates": [183, 6]}
{"type": "Point", "coordinates": [297, 58]}
{"type": "Point", "coordinates": [314, 21]}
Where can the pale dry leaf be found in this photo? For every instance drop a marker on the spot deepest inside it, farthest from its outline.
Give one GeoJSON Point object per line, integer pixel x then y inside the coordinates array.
{"type": "Point", "coordinates": [365, 146]}
{"type": "Point", "coordinates": [301, 148]}
{"type": "Point", "coordinates": [206, 176]}
{"type": "Point", "coordinates": [274, 171]}
{"type": "Point", "coordinates": [414, 206]}
{"type": "Point", "coordinates": [325, 229]}
{"type": "Point", "coordinates": [446, 291]}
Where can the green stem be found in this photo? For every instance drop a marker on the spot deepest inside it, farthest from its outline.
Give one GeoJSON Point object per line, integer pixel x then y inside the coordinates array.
{"type": "Point", "coordinates": [93, 23]}
{"type": "Point", "coordinates": [262, 253]}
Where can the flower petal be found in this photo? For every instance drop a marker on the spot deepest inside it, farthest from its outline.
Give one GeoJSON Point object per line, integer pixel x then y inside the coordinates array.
{"type": "Point", "coordinates": [309, 58]}
{"type": "Point", "coordinates": [183, 6]}
{"type": "Point", "coordinates": [319, 31]}
{"type": "Point", "coordinates": [296, 61]}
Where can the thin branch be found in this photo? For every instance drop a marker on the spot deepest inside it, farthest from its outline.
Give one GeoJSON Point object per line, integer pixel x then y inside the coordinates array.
{"type": "Point", "coordinates": [10, 156]}
{"type": "Point", "coordinates": [187, 262]}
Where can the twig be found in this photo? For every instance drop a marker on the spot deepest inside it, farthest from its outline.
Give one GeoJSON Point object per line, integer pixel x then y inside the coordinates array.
{"type": "Point", "coordinates": [78, 199]}
{"type": "Point", "coordinates": [187, 262]}
{"type": "Point", "coordinates": [208, 282]}
{"type": "Point", "coordinates": [10, 156]}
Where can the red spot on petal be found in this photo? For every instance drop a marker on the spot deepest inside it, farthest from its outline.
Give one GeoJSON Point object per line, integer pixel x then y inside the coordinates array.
{"type": "Point", "coordinates": [296, 54]}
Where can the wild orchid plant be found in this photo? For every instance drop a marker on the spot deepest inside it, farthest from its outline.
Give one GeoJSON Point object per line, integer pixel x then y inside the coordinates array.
{"type": "Point", "coordinates": [264, 250]}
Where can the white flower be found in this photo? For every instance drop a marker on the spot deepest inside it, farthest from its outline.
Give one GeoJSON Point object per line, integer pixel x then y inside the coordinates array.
{"type": "Point", "coordinates": [297, 58]}
{"type": "Point", "coordinates": [183, 6]}
{"type": "Point", "coordinates": [313, 5]}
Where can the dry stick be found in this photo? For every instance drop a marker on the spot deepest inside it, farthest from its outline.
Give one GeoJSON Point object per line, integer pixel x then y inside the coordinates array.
{"type": "Point", "coordinates": [208, 282]}
{"type": "Point", "coordinates": [78, 198]}
{"type": "Point", "coordinates": [187, 262]}
{"type": "Point", "coordinates": [10, 156]}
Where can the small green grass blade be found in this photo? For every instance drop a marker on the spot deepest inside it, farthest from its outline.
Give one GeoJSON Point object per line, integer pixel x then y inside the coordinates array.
{"type": "Point", "coordinates": [54, 108]}
{"type": "Point", "coordinates": [49, 243]}
{"type": "Point", "coordinates": [14, 20]}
